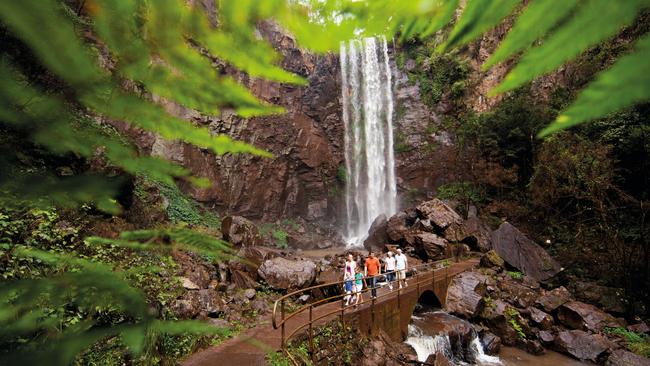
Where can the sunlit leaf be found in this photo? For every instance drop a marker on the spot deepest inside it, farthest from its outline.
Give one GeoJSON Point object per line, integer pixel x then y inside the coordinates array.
{"type": "Point", "coordinates": [478, 17]}
{"type": "Point", "coordinates": [625, 83]}
{"type": "Point", "coordinates": [594, 21]}
{"type": "Point", "coordinates": [537, 19]}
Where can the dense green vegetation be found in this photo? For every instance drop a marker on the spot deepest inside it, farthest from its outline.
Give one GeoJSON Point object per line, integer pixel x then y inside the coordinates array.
{"type": "Point", "coordinates": [76, 76]}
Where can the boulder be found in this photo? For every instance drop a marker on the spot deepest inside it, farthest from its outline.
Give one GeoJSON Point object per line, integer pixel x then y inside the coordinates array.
{"type": "Point", "coordinates": [188, 284]}
{"type": "Point", "coordinates": [193, 271]}
{"type": "Point", "coordinates": [431, 246]}
{"type": "Point", "coordinates": [472, 231]}
{"type": "Point", "coordinates": [242, 279]}
{"type": "Point", "coordinates": [496, 312]}
{"type": "Point", "coordinates": [639, 328]}
{"type": "Point", "coordinates": [546, 337]}
{"type": "Point", "coordinates": [249, 258]}
{"type": "Point", "coordinates": [438, 213]}
{"type": "Point", "coordinates": [202, 302]}
{"type": "Point", "coordinates": [622, 357]}
{"type": "Point", "coordinates": [250, 293]}
{"type": "Point", "coordinates": [240, 231]}
{"type": "Point", "coordinates": [553, 299]}
{"type": "Point", "coordinates": [609, 299]}
{"type": "Point", "coordinates": [396, 227]}
{"type": "Point", "coordinates": [491, 343]}
{"type": "Point", "coordinates": [465, 293]}
{"type": "Point", "coordinates": [517, 293]}
{"type": "Point", "coordinates": [285, 274]}
{"type": "Point", "coordinates": [522, 253]}
{"type": "Point", "coordinates": [377, 237]}
{"type": "Point", "coordinates": [438, 359]}
{"type": "Point", "coordinates": [542, 319]}
{"type": "Point", "coordinates": [492, 259]}
{"type": "Point", "coordinates": [533, 347]}
{"type": "Point", "coordinates": [374, 354]}
{"type": "Point", "coordinates": [581, 345]}
{"type": "Point", "coordinates": [578, 315]}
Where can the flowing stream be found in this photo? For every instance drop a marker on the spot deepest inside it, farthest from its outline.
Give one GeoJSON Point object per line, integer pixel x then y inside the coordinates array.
{"type": "Point", "coordinates": [432, 332]}
{"type": "Point", "coordinates": [367, 100]}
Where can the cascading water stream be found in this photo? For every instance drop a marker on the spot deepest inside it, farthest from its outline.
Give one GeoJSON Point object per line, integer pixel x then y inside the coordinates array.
{"type": "Point", "coordinates": [427, 336]}
{"type": "Point", "coordinates": [367, 100]}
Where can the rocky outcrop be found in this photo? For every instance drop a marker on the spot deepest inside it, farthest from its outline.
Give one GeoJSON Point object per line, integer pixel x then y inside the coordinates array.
{"type": "Point", "coordinates": [377, 236]}
{"type": "Point", "coordinates": [625, 358]}
{"type": "Point", "coordinates": [492, 259]}
{"type": "Point", "coordinates": [551, 300]}
{"type": "Point", "coordinates": [439, 214]}
{"type": "Point", "coordinates": [491, 343]}
{"type": "Point", "coordinates": [522, 253]}
{"type": "Point", "coordinates": [609, 299]}
{"type": "Point", "coordinates": [578, 315]}
{"type": "Point", "coordinates": [465, 293]}
{"type": "Point", "coordinates": [306, 142]}
{"type": "Point", "coordinates": [286, 274]}
{"type": "Point", "coordinates": [431, 246]}
{"type": "Point", "coordinates": [542, 319]}
{"type": "Point", "coordinates": [240, 231]}
{"type": "Point", "coordinates": [581, 345]}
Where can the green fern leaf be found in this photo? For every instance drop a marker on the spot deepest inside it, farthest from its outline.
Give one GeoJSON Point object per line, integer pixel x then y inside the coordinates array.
{"type": "Point", "coordinates": [478, 16]}
{"type": "Point", "coordinates": [537, 19]}
{"type": "Point", "coordinates": [594, 21]}
{"type": "Point", "coordinates": [625, 83]}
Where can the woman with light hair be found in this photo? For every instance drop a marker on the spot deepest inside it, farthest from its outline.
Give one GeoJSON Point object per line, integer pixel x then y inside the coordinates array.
{"type": "Point", "coordinates": [389, 268]}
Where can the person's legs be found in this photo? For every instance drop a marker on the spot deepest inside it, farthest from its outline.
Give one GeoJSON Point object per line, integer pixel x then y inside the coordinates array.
{"type": "Point", "coordinates": [373, 282]}
{"type": "Point", "coordinates": [390, 277]}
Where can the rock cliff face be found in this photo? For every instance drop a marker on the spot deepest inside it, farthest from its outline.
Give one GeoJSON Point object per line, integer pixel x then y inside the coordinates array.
{"type": "Point", "coordinates": [301, 179]}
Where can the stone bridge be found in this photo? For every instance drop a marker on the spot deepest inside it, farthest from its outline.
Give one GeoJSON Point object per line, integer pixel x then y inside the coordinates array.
{"type": "Point", "coordinates": [391, 312]}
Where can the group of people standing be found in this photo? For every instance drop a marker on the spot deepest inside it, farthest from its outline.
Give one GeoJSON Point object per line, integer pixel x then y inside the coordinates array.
{"type": "Point", "coordinates": [355, 278]}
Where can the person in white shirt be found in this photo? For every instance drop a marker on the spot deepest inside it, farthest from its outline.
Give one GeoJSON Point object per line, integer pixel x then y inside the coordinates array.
{"type": "Point", "coordinates": [389, 268]}
{"type": "Point", "coordinates": [400, 266]}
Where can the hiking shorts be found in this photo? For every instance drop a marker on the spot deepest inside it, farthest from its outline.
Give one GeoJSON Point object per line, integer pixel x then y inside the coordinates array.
{"type": "Point", "coordinates": [401, 274]}
{"type": "Point", "coordinates": [348, 286]}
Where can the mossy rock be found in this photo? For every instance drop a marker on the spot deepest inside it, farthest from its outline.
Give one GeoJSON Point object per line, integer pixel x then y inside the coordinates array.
{"type": "Point", "coordinates": [492, 259]}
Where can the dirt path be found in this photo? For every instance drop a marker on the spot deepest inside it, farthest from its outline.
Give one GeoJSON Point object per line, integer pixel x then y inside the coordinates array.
{"type": "Point", "coordinates": [251, 347]}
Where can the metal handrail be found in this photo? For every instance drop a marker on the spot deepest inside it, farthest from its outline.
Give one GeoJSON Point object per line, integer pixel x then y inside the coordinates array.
{"type": "Point", "coordinates": [427, 267]}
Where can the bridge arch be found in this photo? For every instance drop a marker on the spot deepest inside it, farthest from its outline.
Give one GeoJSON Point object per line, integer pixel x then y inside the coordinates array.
{"type": "Point", "coordinates": [426, 297]}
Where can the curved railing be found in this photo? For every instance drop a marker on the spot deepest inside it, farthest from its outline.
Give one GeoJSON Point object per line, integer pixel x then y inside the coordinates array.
{"type": "Point", "coordinates": [418, 273]}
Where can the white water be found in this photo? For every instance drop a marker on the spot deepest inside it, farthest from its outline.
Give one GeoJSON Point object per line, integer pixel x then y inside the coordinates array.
{"type": "Point", "coordinates": [425, 345]}
{"type": "Point", "coordinates": [367, 100]}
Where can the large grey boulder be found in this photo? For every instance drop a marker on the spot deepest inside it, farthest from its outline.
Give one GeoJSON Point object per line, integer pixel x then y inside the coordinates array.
{"type": "Point", "coordinates": [553, 299]}
{"type": "Point", "coordinates": [474, 232]}
{"type": "Point", "coordinates": [240, 231]}
{"type": "Point", "coordinates": [578, 315]}
{"type": "Point", "coordinates": [542, 319]}
{"type": "Point", "coordinates": [397, 228]}
{"type": "Point", "coordinates": [622, 357]}
{"type": "Point", "coordinates": [581, 345]}
{"type": "Point", "coordinates": [609, 299]}
{"type": "Point", "coordinates": [430, 245]}
{"type": "Point", "coordinates": [439, 214]}
{"type": "Point", "coordinates": [465, 293]}
{"type": "Point", "coordinates": [522, 253]}
{"type": "Point", "coordinates": [285, 274]}
{"type": "Point", "coordinates": [377, 237]}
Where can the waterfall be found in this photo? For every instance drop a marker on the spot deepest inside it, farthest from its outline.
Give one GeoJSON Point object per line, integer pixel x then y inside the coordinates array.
{"type": "Point", "coordinates": [431, 333]}
{"type": "Point", "coordinates": [367, 100]}
{"type": "Point", "coordinates": [425, 345]}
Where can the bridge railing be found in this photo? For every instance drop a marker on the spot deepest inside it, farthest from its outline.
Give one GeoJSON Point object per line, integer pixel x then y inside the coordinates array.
{"type": "Point", "coordinates": [419, 275]}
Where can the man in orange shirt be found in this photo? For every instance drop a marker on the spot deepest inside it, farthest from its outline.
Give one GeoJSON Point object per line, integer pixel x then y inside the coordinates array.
{"type": "Point", "coordinates": [371, 269]}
